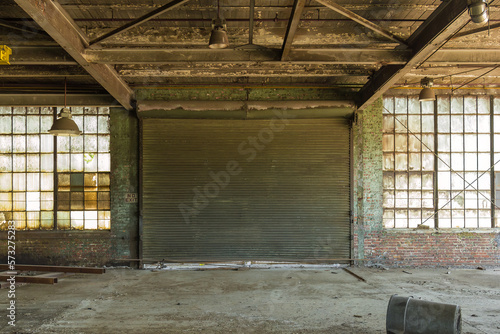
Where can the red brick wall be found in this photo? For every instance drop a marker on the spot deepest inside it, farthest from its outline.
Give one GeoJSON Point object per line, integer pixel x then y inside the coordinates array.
{"type": "Point", "coordinates": [430, 248]}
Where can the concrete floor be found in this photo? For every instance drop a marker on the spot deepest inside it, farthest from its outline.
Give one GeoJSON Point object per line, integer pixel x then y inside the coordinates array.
{"type": "Point", "coordinates": [319, 300]}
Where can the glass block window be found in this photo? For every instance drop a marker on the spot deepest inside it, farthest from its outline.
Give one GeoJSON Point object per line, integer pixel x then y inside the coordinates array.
{"type": "Point", "coordinates": [33, 163]}
{"type": "Point", "coordinates": [438, 164]}
{"type": "Point", "coordinates": [408, 177]}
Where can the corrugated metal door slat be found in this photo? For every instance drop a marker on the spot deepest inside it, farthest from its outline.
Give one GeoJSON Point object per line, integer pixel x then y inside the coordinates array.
{"type": "Point", "coordinates": [227, 190]}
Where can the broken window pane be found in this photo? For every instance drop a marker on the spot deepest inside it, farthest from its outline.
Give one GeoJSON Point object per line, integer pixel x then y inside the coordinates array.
{"type": "Point", "coordinates": [91, 162]}
{"type": "Point", "coordinates": [90, 110]}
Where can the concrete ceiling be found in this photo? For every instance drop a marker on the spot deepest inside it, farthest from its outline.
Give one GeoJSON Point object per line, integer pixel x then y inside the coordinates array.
{"type": "Point", "coordinates": [358, 49]}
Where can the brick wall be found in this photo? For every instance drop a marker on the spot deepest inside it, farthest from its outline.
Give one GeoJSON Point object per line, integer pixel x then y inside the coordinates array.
{"type": "Point", "coordinates": [377, 245]}
{"type": "Point", "coordinates": [94, 248]}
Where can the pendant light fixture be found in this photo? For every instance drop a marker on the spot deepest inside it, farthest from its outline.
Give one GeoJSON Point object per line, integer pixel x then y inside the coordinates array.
{"type": "Point", "coordinates": [64, 125]}
{"type": "Point", "coordinates": [478, 11]}
{"type": "Point", "coordinates": [218, 37]}
{"type": "Point", "coordinates": [426, 94]}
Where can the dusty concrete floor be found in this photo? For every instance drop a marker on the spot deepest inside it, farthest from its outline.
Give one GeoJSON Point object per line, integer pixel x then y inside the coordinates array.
{"type": "Point", "coordinates": [251, 301]}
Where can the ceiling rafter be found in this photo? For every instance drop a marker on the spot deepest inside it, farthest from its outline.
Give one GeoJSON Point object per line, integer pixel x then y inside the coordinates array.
{"type": "Point", "coordinates": [293, 23]}
{"type": "Point", "coordinates": [444, 23]}
{"type": "Point", "coordinates": [361, 20]}
{"type": "Point", "coordinates": [61, 27]}
{"type": "Point", "coordinates": [165, 8]}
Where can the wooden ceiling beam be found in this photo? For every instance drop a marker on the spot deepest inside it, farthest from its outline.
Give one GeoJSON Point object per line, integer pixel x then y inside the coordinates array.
{"type": "Point", "coordinates": [446, 21]}
{"type": "Point", "coordinates": [61, 27]}
{"type": "Point", "coordinates": [293, 24]}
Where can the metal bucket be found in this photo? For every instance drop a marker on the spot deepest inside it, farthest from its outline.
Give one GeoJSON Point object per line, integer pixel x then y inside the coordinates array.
{"type": "Point", "coordinates": [406, 315]}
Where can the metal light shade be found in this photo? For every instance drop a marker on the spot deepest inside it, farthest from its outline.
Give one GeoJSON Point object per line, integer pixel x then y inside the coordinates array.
{"type": "Point", "coordinates": [427, 94]}
{"type": "Point", "coordinates": [478, 11]}
{"type": "Point", "coordinates": [218, 38]}
{"type": "Point", "coordinates": [64, 125]}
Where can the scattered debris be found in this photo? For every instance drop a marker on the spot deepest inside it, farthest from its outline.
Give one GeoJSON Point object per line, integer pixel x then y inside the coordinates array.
{"type": "Point", "coordinates": [333, 272]}
{"type": "Point", "coordinates": [448, 272]}
{"type": "Point", "coordinates": [474, 315]}
{"type": "Point", "coordinates": [353, 274]}
{"type": "Point", "coordinates": [480, 268]}
{"type": "Point", "coordinates": [407, 272]}
{"type": "Point", "coordinates": [423, 227]}
{"type": "Point", "coordinates": [358, 316]}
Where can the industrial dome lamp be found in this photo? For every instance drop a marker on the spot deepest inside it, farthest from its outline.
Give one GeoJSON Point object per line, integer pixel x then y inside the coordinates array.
{"type": "Point", "coordinates": [426, 94]}
{"type": "Point", "coordinates": [64, 125]}
{"type": "Point", "coordinates": [218, 37]}
{"type": "Point", "coordinates": [478, 11]}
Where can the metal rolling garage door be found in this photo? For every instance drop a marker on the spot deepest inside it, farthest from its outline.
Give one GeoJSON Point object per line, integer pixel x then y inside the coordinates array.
{"type": "Point", "coordinates": [227, 190]}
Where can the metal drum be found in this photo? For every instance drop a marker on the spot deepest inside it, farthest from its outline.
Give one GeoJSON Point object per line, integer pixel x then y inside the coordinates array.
{"type": "Point", "coordinates": [406, 315]}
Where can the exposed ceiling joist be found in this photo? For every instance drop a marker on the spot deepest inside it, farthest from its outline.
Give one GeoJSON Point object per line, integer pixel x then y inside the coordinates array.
{"type": "Point", "coordinates": [361, 20]}
{"type": "Point", "coordinates": [57, 23]}
{"type": "Point", "coordinates": [293, 23]}
{"type": "Point", "coordinates": [446, 21]}
{"type": "Point", "coordinates": [169, 6]}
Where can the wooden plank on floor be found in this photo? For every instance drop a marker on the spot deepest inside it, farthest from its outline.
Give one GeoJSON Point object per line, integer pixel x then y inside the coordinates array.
{"type": "Point", "coordinates": [31, 279]}
{"type": "Point", "coordinates": [81, 270]}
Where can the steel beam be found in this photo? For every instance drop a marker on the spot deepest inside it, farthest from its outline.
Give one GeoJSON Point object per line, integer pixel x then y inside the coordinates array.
{"type": "Point", "coordinates": [31, 279]}
{"type": "Point", "coordinates": [361, 20]}
{"type": "Point", "coordinates": [171, 5]}
{"type": "Point", "coordinates": [61, 27]}
{"type": "Point", "coordinates": [43, 100]}
{"type": "Point", "coordinates": [293, 23]}
{"type": "Point", "coordinates": [446, 21]}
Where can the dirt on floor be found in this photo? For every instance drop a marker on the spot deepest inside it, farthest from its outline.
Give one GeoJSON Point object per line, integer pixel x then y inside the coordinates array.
{"type": "Point", "coordinates": [280, 300]}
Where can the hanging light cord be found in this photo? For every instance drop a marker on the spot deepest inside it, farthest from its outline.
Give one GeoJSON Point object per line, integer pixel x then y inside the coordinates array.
{"type": "Point", "coordinates": [64, 92]}
{"type": "Point", "coordinates": [482, 75]}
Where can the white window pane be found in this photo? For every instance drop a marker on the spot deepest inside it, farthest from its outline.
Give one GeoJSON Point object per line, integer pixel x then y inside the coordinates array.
{"type": "Point", "coordinates": [19, 162]}
{"type": "Point", "coordinates": [444, 124]}
{"type": "Point", "coordinates": [90, 110]}
{"type": "Point", "coordinates": [444, 219]}
{"type": "Point", "coordinates": [47, 162]}
{"type": "Point", "coordinates": [414, 123]}
{"type": "Point", "coordinates": [19, 201]}
{"type": "Point", "coordinates": [5, 163]}
{"type": "Point", "coordinates": [388, 161]}
{"type": "Point", "coordinates": [46, 143]}
{"type": "Point", "coordinates": [415, 199]}
{"type": "Point", "coordinates": [414, 163]}
{"type": "Point", "coordinates": [483, 143]}
{"type": "Point", "coordinates": [77, 110]}
{"type": "Point", "coordinates": [33, 163]}
{"type": "Point", "coordinates": [47, 201]}
{"type": "Point", "coordinates": [470, 123]}
{"type": "Point", "coordinates": [33, 125]}
{"type": "Point", "coordinates": [103, 124]}
{"type": "Point", "coordinates": [47, 181]}
{"type": "Point", "coordinates": [5, 182]}
{"type": "Point", "coordinates": [19, 124]}
{"type": "Point", "coordinates": [427, 123]}
{"type": "Point", "coordinates": [401, 124]}
{"type": "Point", "coordinates": [90, 143]}
{"type": "Point", "coordinates": [401, 199]}
{"type": "Point", "coordinates": [77, 162]}
{"type": "Point", "coordinates": [19, 143]}
{"type": "Point", "coordinates": [470, 161]}
{"type": "Point", "coordinates": [444, 180]}
{"type": "Point", "coordinates": [5, 124]}
{"type": "Point", "coordinates": [401, 162]}
{"type": "Point", "coordinates": [46, 123]}
{"type": "Point", "coordinates": [457, 123]}
{"type": "Point", "coordinates": [415, 181]}
{"type": "Point", "coordinates": [457, 105]}
{"type": "Point", "coordinates": [401, 105]}
{"type": "Point", "coordinates": [484, 222]}
{"type": "Point", "coordinates": [33, 181]}
{"type": "Point", "coordinates": [388, 105]}
{"type": "Point", "coordinates": [104, 162]}
{"type": "Point", "coordinates": [414, 143]}
{"type": "Point", "coordinates": [471, 180]}
{"type": "Point", "coordinates": [33, 220]}
{"type": "Point", "coordinates": [19, 181]}
{"type": "Point", "coordinates": [427, 108]}
{"type": "Point", "coordinates": [46, 220]}
{"type": "Point", "coordinates": [77, 144]}
{"type": "Point", "coordinates": [32, 201]}
{"type": "Point", "coordinates": [33, 144]}
{"type": "Point", "coordinates": [79, 122]}
{"type": "Point", "coordinates": [470, 142]}
{"type": "Point", "coordinates": [77, 220]}
{"type": "Point", "coordinates": [63, 162]}
{"type": "Point", "coordinates": [457, 181]}
{"type": "Point", "coordinates": [484, 161]}
{"type": "Point", "coordinates": [63, 220]}
{"type": "Point", "coordinates": [444, 143]}
{"type": "Point", "coordinates": [105, 110]}
{"type": "Point", "coordinates": [388, 123]}
{"type": "Point", "coordinates": [401, 181]}
{"type": "Point", "coordinates": [457, 161]}
{"type": "Point", "coordinates": [401, 143]}
{"type": "Point", "coordinates": [484, 181]}
{"type": "Point", "coordinates": [103, 144]}
{"type": "Point", "coordinates": [388, 181]}
{"type": "Point", "coordinates": [415, 218]}
{"type": "Point", "coordinates": [483, 123]}
{"type": "Point", "coordinates": [427, 199]}
{"type": "Point", "coordinates": [427, 143]}
{"type": "Point", "coordinates": [427, 181]}
{"type": "Point", "coordinates": [90, 220]}
{"type": "Point", "coordinates": [5, 144]}
{"type": "Point", "coordinates": [63, 144]}
{"type": "Point", "coordinates": [457, 143]}
{"type": "Point", "coordinates": [388, 218]}
{"type": "Point", "coordinates": [90, 124]}
{"type": "Point", "coordinates": [427, 162]}
{"type": "Point", "coordinates": [388, 199]}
